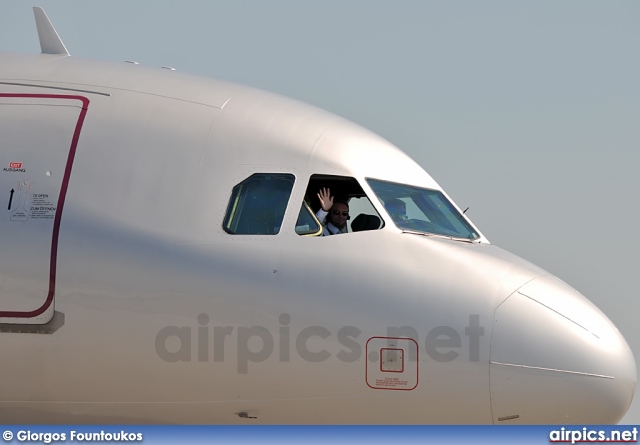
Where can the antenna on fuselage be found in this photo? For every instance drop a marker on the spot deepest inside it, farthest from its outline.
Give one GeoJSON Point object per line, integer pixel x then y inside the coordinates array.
{"type": "Point", "coordinates": [50, 42]}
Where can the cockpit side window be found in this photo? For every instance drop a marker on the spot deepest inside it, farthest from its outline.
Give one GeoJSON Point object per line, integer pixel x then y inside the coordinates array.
{"type": "Point", "coordinates": [422, 210]}
{"type": "Point", "coordinates": [361, 214]}
{"type": "Point", "coordinates": [258, 204]}
{"type": "Point", "coordinates": [307, 223]}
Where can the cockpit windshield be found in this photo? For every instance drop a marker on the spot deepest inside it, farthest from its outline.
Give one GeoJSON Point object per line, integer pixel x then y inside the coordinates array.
{"type": "Point", "coordinates": [422, 210]}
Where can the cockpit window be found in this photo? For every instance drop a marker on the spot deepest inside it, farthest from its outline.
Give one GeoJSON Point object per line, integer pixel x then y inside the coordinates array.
{"type": "Point", "coordinates": [422, 210]}
{"type": "Point", "coordinates": [258, 204]}
{"type": "Point", "coordinates": [355, 212]}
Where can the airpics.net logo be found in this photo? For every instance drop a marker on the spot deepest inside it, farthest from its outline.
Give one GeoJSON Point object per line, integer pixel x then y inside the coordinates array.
{"type": "Point", "coordinates": [254, 344]}
{"type": "Point", "coordinates": [592, 435]}
{"type": "Point", "coordinates": [14, 167]}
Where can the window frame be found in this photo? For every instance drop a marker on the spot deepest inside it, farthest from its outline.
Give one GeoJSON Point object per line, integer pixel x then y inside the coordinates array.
{"type": "Point", "coordinates": [238, 200]}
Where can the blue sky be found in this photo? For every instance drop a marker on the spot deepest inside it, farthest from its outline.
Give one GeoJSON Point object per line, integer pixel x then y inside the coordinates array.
{"type": "Point", "coordinates": [526, 112]}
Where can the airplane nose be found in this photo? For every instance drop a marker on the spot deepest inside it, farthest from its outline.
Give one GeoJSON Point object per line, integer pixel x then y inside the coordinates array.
{"type": "Point", "coordinates": [556, 358]}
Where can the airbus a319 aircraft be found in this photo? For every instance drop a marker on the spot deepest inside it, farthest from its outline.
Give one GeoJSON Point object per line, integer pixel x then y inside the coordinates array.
{"type": "Point", "coordinates": [161, 261]}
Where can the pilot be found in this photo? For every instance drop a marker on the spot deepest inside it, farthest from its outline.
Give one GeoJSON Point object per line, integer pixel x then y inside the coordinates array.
{"type": "Point", "coordinates": [396, 208]}
{"type": "Point", "coordinates": [333, 214]}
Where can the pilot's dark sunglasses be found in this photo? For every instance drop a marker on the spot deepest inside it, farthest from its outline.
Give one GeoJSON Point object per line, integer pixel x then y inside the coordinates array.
{"type": "Point", "coordinates": [338, 212]}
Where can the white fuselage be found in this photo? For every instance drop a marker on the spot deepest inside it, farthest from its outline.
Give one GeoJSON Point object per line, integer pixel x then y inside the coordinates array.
{"type": "Point", "coordinates": [163, 316]}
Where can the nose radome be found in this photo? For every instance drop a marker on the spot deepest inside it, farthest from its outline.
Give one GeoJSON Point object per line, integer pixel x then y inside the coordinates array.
{"type": "Point", "coordinates": [556, 358]}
